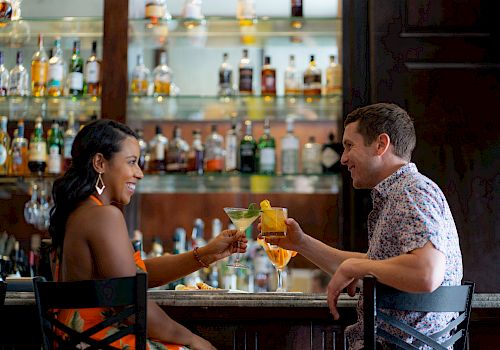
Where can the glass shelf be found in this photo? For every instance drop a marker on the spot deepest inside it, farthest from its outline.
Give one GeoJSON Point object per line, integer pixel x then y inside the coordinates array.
{"type": "Point", "coordinates": [30, 107]}
{"type": "Point", "coordinates": [204, 108]}
{"type": "Point", "coordinates": [238, 183]}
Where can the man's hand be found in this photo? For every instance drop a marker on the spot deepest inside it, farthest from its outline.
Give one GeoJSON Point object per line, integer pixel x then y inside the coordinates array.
{"type": "Point", "coordinates": [343, 278]}
{"type": "Point", "coordinates": [294, 236]}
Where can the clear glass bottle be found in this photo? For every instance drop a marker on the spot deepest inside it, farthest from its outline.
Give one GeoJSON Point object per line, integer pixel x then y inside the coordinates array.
{"type": "Point", "coordinates": [39, 70]}
{"type": "Point", "coordinates": [232, 143]}
{"type": "Point", "coordinates": [292, 79]}
{"type": "Point", "coordinates": [196, 154]}
{"type": "Point", "coordinates": [68, 138]}
{"type": "Point", "coordinates": [311, 157]}
{"type": "Point", "coordinates": [37, 158]}
{"type": "Point", "coordinates": [214, 151]}
{"type": "Point", "coordinates": [162, 77]}
{"type": "Point", "coordinates": [333, 77]}
{"type": "Point", "coordinates": [158, 147]}
{"type": "Point", "coordinates": [312, 79]}
{"type": "Point", "coordinates": [268, 80]}
{"type": "Point", "coordinates": [141, 77]}
{"type": "Point", "coordinates": [55, 143]}
{"type": "Point", "coordinates": [225, 77]}
{"type": "Point", "coordinates": [177, 152]}
{"type": "Point", "coordinates": [19, 78]}
{"type": "Point", "coordinates": [267, 151]}
{"type": "Point", "coordinates": [248, 150]}
{"type": "Point", "coordinates": [155, 9]}
{"type": "Point", "coordinates": [93, 73]}
{"type": "Point", "coordinates": [18, 164]}
{"type": "Point", "coordinates": [143, 150]}
{"type": "Point", "coordinates": [76, 71]}
{"type": "Point", "coordinates": [245, 83]}
{"type": "Point", "coordinates": [55, 75]}
{"type": "Point", "coordinates": [290, 150]}
{"type": "Point", "coordinates": [4, 77]}
{"type": "Point", "coordinates": [4, 146]}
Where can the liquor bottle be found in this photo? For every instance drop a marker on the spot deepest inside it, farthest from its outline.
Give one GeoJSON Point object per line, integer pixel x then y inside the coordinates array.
{"type": "Point", "coordinates": [245, 84]}
{"type": "Point", "coordinates": [158, 147]}
{"type": "Point", "coordinates": [4, 146]}
{"type": "Point", "coordinates": [312, 79]}
{"type": "Point", "coordinates": [4, 77]}
{"type": "Point", "coordinates": [37, 158]}
{"type": "Point", "coordinates": [296, 8]}
{"type": "Point", "coordinates": [331, 153]}
{"type": "Point", "coordinates": [55, 75]}
{"type": "Point", "coordinates": [19, 78]}
{"type": "Point", "coordinates": [162, 77]}
{"type": "Point", "coordinates": [195, 157]}
{"type": "Point", "coordinates": [143, 150]}
{"type": "Point", "coordinates": [39, 70]}
{"type": "Point", "coordinates": [140, 78]}
{"type": "Point", "coordinates": [232, 143]}
{"type": "Point", "coordinates": [177, 152]}
{"type": "Point", "coordinates": [289, 151]}
{"type": "Point", "coordinates": [76, 71]}
{"type": "Point", "coordinates": [214, 151]}
{"type": "Point", "coordinates": [155, 9]}
{"type": "Point", "coordinates": [248, 150]}
{"type": "Point", "coordinates": [267, 151]}
{"type": "Point", "coordinates": [93, 73]}
{"type": "Point", "coordinates": [333, 77]}
{"type": "Point", "coordinates": [55, 143]}
{"type": "Point", "coordinates": [18, 164]}
{"type": "Point", "coordinates": [268, 80]}
{"type": "Point", "coordinates": [5, 12]}
{"type": "Point", "coordinates": [245, 13]}
{"type": "Point", "coordinates": [311, 157]}
{"type": "Point", "coordinates": [68, 138]}
{"type": "Point", "coordinates": [225, 77]}
{"type": "Point", "coordinates": [292, 79]}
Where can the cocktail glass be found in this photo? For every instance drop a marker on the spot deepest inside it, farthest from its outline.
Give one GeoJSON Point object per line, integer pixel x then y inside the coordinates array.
{"type": "Point", "coordinates": [242, 218]}
{"type": "Point", "coordinates": [279, 258]}
{"type": "Point", "coordinates": [273, 222]}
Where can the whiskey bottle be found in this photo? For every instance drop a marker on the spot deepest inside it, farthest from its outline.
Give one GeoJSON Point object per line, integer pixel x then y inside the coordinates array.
{"type": "Point", "coordinates": [4, 77]}
{"type": "Point", "coordinates": [195, 157]}
{"type": "Point", "coordinates": [162, 77]}
{"type": "Point", "coordinates": [68, 138]}
{"type": "Point", "coordinates": [311, 157]}
{"type": "Point", "coordinates": [177, 153]}
{"type": "Point", "coordinates": [248, 150]}
{"type": "Point", "coordinates": [4, 146]}
{"type": "Point", "coordinates": [158, 147]}
{"type": "Point", "coordinates": [55, 143]}
{"type": "Point", "coordinates": [225, 77]}
{"type": "Point", "coordinates": [39, 70]}
{"type": "Point", "coordinates": [18, 163]}
{"type": "Point", "coordinates": [93, 73]}
{"type": "Point", "coordinates": [232, 143]}
{"type": "Point", "coordinates": [268, 80]}
{"type": "Point", "coordinates": [333, 77]}
{"type": "Point", "coordinates": [245, 84]}
{"type": "Point", "coordinates": [292, 79]}
{"type": "Point", "coordinates": [55, 75]}
{"type": "Point", "coordinates": [312, 79]}
{"type": "Point", "coordinates": [140, 78]}
{"type": "Point", "coordinates": [37, 158]}
{"type": "Point", "coordinates": [296, 8]}
{"type": "Point", "coordinates": [267, 151]}
{"type": "Point", "coordinates": [19, 78]}
{"type": "Point", "coordinates": [330, 155]}
{"type": "Point", "coordinates": [214, 151]}
{"type": "Point", "coordinates": [76, 71]}
{"type": "Point", "coordinates": [289, 150]}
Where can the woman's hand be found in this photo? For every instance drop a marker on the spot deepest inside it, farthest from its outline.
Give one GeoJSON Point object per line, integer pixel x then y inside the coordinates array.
{"type": "Point", "coordinates": [294, 236]}
{"type": "Point", "coordinates": [223, 245]}
{"type": "Point", "coordinates": [198, 343]}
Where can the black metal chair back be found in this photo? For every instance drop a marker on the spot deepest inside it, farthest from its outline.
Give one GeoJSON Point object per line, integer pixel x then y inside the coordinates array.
{"type": "Point", "coordinates": [3, 290]}
{"type": "Point", "coordinates": [378, 297]}
{"type": "Point", "coordinates": [125, 297]}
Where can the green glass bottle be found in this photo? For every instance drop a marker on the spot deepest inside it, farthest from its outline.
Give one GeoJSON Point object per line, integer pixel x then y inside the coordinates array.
{"type": "Point", "coordinates": [55, 143]}
{"type": "Point", "coordinates": [248, 151]}
{"type": "Point", "coordinates": [37, 158]}
{"type": "Point", "coordinates": [267, 151]}
{"type": "Point", "coordinates": [76, 71]}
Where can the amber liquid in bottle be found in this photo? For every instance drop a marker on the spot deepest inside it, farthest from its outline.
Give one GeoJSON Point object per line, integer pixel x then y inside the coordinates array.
{"type": "Point", "coordinates": [268, 78]}
{"type": "Point", "coordinates": [39, 70]}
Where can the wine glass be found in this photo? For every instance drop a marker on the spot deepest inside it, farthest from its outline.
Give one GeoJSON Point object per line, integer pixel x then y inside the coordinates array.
{"type": "Point", "coordinates": [279, 258]}
{"type": "Point", "coordinates": [242, 218]}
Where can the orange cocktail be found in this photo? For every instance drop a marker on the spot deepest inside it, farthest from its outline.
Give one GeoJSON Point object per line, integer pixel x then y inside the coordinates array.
{"type": "Point", "coordinates": [273, 222]}
{"type": "Point", "coordinates": [279, 258]}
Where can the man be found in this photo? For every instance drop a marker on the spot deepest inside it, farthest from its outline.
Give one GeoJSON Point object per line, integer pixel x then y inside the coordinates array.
{"type": "Point", "coordinates": [413, 241]}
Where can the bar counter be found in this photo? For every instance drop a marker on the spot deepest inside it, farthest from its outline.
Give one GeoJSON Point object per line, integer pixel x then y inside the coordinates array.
{"type": "Point", "coordinates": [252, 321]}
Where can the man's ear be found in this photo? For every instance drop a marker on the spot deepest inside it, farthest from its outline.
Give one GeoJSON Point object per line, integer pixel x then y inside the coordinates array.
{"type": "Point", "coordinates": [98, 163]}
{"type": "Point", "coordinates": [383, 143]}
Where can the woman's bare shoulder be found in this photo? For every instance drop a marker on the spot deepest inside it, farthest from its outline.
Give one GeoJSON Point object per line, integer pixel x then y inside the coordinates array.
{"type": "Point", "coordinates": [89, 218]}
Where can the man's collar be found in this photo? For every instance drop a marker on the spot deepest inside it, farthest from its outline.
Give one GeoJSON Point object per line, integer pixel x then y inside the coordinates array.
{"type": "Point", "coordinates": [383, 187]}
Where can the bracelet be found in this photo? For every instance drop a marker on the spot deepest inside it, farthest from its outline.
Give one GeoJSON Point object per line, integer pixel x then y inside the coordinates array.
{"type": "Point", "coordinates": [197, 257]}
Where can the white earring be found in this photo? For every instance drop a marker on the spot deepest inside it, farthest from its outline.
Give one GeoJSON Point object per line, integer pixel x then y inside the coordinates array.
{"type": "Point", "coordinates": [100, 189]}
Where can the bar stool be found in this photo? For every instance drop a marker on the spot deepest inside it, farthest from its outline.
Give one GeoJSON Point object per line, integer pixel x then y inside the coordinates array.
{"type": "Point", "coordinates": [378, 297]}
{"type": "Point", "coordinates": [125, 297]}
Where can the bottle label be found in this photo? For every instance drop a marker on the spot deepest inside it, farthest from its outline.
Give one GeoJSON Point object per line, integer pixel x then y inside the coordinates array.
{"type": "Point", "coordinates": [3, 155]}
{"type": "Point", "coordinates": [92, 72]}
{"type": "Point", "coordinates": [38, 152]}
{"type": "Point", "coordinates": [225, 76]}
{"type": "Point", "coordinates": [76, 81]}
{"type": "Point", "coordinates": [39, 72]}
{"type": "Point", "coordinates": [268, 83]}
{"type": "Point", "coordinates": [160, 151]}
{"type": "Point", "coordinates": [54, 160]}
{"type": "Point", "coordinates": [246, 75]}
{"type": "Point", "coordinates": [329, 157]}
{"type": "Point", "coordinates": [289, 158]}
{"type": "Point", "coordinates": [267, 159]}
{"type": "Point", "coordinates": [231, 153]}
{"type": "Point", "coordinates": [68, 143]}
{"type": "Point", "coordinates": [55, 75]}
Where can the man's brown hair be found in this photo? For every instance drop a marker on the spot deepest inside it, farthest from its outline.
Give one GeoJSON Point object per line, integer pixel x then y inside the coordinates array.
{"type": "Point", "coordinates": [386, 118]}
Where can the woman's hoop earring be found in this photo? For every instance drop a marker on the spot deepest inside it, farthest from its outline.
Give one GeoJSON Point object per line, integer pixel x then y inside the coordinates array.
{"type": "Point", "coordinates": [100, 188]}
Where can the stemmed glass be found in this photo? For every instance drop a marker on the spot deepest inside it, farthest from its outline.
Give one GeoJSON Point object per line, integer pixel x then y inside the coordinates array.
{"type": "Point", "coordinates": [279, 258]}
{"type": "Point", "coordinates": [242, 218]}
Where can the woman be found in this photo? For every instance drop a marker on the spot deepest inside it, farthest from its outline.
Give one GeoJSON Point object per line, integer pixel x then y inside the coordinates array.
{"type": "Point", "coordinates": [91, 238]}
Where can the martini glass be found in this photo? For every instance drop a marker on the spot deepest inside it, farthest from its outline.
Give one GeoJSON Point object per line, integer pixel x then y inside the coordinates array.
{"type": "Point", "coordinates": [242, 218]}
